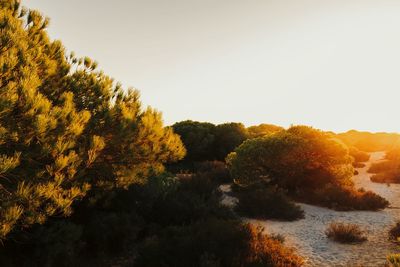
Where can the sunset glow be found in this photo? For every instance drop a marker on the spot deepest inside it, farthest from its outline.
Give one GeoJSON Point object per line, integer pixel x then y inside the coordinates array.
{"type": "Point", "coordinates": [330, 64]}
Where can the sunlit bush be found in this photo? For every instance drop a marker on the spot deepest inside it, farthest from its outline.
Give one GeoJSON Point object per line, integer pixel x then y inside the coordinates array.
{"type": "Point", "coordinates": [345, 233]}
{"type": "Point", "coordinates": [358, 155]}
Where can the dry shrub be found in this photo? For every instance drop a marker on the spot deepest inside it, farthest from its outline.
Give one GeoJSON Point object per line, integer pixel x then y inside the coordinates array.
{"type": "Point", "coordinates": [266, 251]}
{"type": "Point", "coordinates": [345, 232]}
{"type": "Point", "coordinates": [347, 198]}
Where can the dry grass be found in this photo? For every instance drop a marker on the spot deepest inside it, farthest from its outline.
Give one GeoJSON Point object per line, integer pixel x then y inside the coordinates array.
{"type": "Point", "coordinates": [345, 233]}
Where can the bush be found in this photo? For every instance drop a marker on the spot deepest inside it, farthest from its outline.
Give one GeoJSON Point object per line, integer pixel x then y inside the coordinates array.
{"type": "Point", "coordinates": [394, 260]}
{"type": "Point", "coordinates": [56, 243]}
{"type": "Point", "coordinates": [358, 165]}
{"type": "Point", "coordinates": [232, 244]}
{"type": "Point", "coordinates": [215, 169]}
{"type": "Point", "coordinates": [345, 233]}
{"type": "Point", "coordinates": [358, 155]}
{"type": "Point", "coordinates": [110, 233]}
{"type": "Point", "coordinates": [195, 198]}
{"type": "Point", "coordinates": [266, 203]}
{"type": "Point", "coordinates": [299, 158]}
{"type": "Point", "coordinates": [394, 232]}
{"type": "Point", "coordinates": [382, 166]}
{"type": "Point", "coordinates": [342, 198]}
{"type": "Point", "coordinates": [387, 171]}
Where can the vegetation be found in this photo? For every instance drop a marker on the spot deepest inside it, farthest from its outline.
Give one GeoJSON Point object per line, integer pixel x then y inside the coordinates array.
{"type": "Point", "coordinates": [198, 138]}
{"type": "Point", "coordinates": [84, 170]}
{"type": "Point", "coordinates": [310, 165]}
{"type": "Point", "coordinates": [266, 203]}
{"type": "Point", "coordinates": [388, 170]}
{"type": "Point", "coordinates": [169, 222]}
{"type": "Point", "coordinates": [370, 142]}
{"type": "Point", "coordinates": [394, 260]}
{"type": "Point", "coordinates": [394, 232]}
{"type": "Point", "coordinates": [345, 233]}
{"type": "Point", "coordinates": [208, 142]}
{"type": "Point", "coordinates": [347, 198]}
{"type": "Point", "coordinates": [297, 159]}
{"type": "Point", "coordinates": [263, 130]}
{"type": "Point", "coordinates": [394, 235]}
{"type": "Point", "coordinates": [67, 131]}
{"type": "Point", "coordinates": [235, 244]}
{"type": "Point", "coordinates": [359, 157]}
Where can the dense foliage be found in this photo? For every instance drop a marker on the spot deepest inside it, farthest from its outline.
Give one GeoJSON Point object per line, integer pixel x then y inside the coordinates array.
{"type": "Point", "coordinates": [66, 128]}
{"type": "Point", "coordinates": [388, 170]}
{"type": "Point", "coordinates": [266, 203]}
{"type": "Point", "coordinates": [296, 159]}
{"type": "Point", "coordinates": [208, 142]}
{"type": "Point", "coordinates": [311, 165]}
{"type": "Point", "coordinates": [168, 222]}
{"type": "Point", "coordinates": [198, 138]}
{"type": "Point", "coordinates": [359, 157]}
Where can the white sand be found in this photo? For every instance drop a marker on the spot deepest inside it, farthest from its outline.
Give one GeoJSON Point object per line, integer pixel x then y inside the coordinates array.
{"type": "Point", "coordinates": [308, 237]}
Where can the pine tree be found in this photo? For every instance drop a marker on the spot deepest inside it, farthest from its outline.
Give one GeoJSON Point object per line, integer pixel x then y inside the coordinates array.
{"type": "Point", "coordinates": [65, 128]}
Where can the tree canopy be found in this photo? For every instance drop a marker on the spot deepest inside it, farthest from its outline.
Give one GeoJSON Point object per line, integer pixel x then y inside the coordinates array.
{"type": "Point", "coordinates": [300, 157]}
{"type": "Point", "coordinates": [207, 142]}
{"type": "Point", "coordinates": [66, 128]}
{"type": "Point", "coordinates": [199, 139]}
{"type": "Point", "coordinates": [263, 129]}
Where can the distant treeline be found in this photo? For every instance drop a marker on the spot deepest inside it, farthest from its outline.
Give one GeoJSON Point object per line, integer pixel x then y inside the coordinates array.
{"type": "Point", "coordinates": [370, 142]}
{"type": "Point", "coordinates": [205, 141]}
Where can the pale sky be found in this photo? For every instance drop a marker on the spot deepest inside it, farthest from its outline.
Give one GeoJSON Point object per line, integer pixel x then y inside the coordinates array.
{"type": "Point", "coordinates": [334, 65]}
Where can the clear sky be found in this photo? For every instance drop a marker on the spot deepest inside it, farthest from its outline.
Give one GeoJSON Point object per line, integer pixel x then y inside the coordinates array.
{"type": "Point", "coordinates": [334, 65]}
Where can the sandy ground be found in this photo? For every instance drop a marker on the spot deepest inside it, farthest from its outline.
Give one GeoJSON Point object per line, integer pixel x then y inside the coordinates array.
{"type": "Point", "coordinates": [308, 237]}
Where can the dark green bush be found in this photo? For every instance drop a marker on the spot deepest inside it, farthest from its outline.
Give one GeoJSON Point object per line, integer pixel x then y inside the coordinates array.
{"type": "Point", "coordinates": [215, 169]}
{"type": "Point", "coordinates": [266, 203]}
{"type": "Point", "coordinates": [56, 243]}
{"type": "Point", "coordinates": [108, 233]}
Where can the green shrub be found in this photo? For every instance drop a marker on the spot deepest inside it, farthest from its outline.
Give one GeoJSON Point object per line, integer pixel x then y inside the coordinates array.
{"type": "Point", "coordinates": [266, 203]}
{"type": "Point", "coordinates": [345, 233]}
